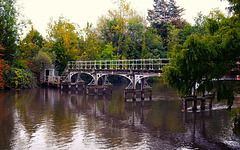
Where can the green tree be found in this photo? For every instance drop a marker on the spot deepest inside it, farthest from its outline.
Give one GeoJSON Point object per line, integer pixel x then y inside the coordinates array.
{"type": "Point", "coordinates": [234, 7]}
{"type": "Point", "coordinates": [204, 58]}
{"type": "Point", "coordinates": [189, 65]}
{"type": "Point", "coordinates": [125, 29]}
{"type": "Point", "coordinates": [41, 61]}
{"type": "Point", "coordinates": [8, 28]}
{"type": "Point", "coordinates": [92, 47]}
{"type": "Point", "coordinates": [62, 40]}
{"type": "Point", "coordinates": [154, 45]}
{"type": "Point", "coordinates": [108, 52]}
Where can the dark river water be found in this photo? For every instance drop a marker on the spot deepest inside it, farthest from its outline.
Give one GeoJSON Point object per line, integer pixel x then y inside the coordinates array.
{"type": "Point", "coordinates": [50, 119]}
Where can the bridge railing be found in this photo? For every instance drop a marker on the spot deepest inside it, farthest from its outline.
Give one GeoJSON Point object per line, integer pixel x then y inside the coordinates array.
{"type": "Point", "coordinates": [132, 64]}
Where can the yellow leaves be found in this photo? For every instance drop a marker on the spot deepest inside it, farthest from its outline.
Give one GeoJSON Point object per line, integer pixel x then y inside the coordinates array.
{"type": "Point", "coordinates": [117, 27]}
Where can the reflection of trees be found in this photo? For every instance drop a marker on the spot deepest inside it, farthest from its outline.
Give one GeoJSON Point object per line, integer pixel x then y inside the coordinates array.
{"type": "Point", "coordinates": [6, 121]}
{"type": "Point", "coordinates": [207, 129]}
{"type": "Point", "coordinates": [44, 107]}
{"type": "Point", "coordinates": [164, 117]}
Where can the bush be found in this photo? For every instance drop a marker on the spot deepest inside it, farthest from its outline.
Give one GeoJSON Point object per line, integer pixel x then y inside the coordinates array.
{"type": "Point", "coordinates": [22, 64]}
{"type": "Point", "coordinates": [19, 79]}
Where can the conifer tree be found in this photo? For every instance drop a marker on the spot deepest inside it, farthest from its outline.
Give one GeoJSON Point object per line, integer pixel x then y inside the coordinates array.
{"type": "Point", "coordinates": [164, 10]}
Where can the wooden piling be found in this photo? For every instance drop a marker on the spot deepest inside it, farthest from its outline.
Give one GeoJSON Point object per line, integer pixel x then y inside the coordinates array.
{"type": "Point", "coordinates": [202, 104]}
{"type": "Point", "coordinates": [150, 94]}
{"type": "Point", "coordinates": [194, 104]}
{"type": "Point", "coordinates": [134, 96]}
{"type": "Point", "coordinates": [142, 95]}
{"type": "Point", "coordinates": [69, 86]}
{"type": "Point", "coordinates": [194, 100]}
{"type": "Point", "coordinates": [210, 104]}
{"type": "Point", "coordinates": [184, 102]}
{"type": "Point", "coordinates": [87, 90]}
{"type": "Point", "coordinates": [95, 90]}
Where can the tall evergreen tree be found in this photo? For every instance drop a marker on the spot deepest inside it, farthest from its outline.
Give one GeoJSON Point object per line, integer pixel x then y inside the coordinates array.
{"type": "Point", "coordinates": [164, 10]}
{"type": "Point", "coordinates": [8, 28]}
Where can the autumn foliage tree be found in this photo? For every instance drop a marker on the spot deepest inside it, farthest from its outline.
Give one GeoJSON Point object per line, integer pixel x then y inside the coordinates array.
{"type": "Point", "coordinates": [4, 68]}
{"type": "Point", "coordinates": [62, 40]}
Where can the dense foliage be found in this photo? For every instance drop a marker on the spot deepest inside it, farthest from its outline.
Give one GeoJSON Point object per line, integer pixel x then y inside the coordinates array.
{"type": "Point", "coordinates": [8, 29]}
{"type": "Point", "coordinates": [197, 66]}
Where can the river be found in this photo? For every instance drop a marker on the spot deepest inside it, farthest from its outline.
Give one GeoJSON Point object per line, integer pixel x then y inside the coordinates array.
{"type": "Point", "coordinates": [47, 118]}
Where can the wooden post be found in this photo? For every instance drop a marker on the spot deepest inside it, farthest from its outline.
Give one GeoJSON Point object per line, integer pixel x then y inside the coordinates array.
{"type": "Point", "coordinates": [104, 89]}
{"type": "Point", "coordinates": [84, 86]}
{"type": "Point", "coordinates": [150, 95]}
{"type": "Point", "coordinates": [58, 83]}
{"type": "Point", "coordinates": [210, 104]}
{"type": "Point", "coordinates": [184, 102]}
{"type": "Point", "coordinates": [69, 86]}
{"type": "Point", "coordinates": [87, 90]}
{"type": "Point", "coordinates": [95, 89]}
{"type": "Point", "coordinates": [142, 94]}
{"type": "Point", "coordinates": [202, 104]}
{"type": "Point", "coordinates": [134, 95]}
{"type": "Point", "coordinates": [76, 86]}
{"type": "Point", "coordinates": [142, 88]}
{"type": "Point", "coordinates": [194, 104]}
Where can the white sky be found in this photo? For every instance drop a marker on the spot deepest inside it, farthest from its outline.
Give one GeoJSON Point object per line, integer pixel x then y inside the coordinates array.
{"type": "Point", "coordinates": [83, 11]}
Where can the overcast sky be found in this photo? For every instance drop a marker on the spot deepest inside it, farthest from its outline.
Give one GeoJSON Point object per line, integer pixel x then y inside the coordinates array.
{"type": "Point", "coordinates": [83, 11]}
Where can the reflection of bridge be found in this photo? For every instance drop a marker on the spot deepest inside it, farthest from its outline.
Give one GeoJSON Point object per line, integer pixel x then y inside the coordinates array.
{"type": "Point", "coordinates": [135, 70]}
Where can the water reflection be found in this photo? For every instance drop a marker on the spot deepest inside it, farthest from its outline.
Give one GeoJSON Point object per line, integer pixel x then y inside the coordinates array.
{"type": "Point", "coordinates": [53, 119]}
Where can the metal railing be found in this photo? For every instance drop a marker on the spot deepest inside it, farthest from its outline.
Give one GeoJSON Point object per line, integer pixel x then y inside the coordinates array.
{"type": "Point", "coordinates": [129, 64]}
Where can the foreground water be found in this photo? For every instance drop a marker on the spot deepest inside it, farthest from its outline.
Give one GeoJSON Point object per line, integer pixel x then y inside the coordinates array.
{"type": "Point", "coordinates": [50, 119]}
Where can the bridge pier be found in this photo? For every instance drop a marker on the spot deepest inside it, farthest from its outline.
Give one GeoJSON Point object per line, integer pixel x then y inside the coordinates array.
{"type": "Point", "coordinates": [135, 92]}
{"type": "Point", "coordinates": [194, 101]}
{"type": "Point", "coordinates": [97, 89]}
{"type": "Point", "coordinates": [144, 88]}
